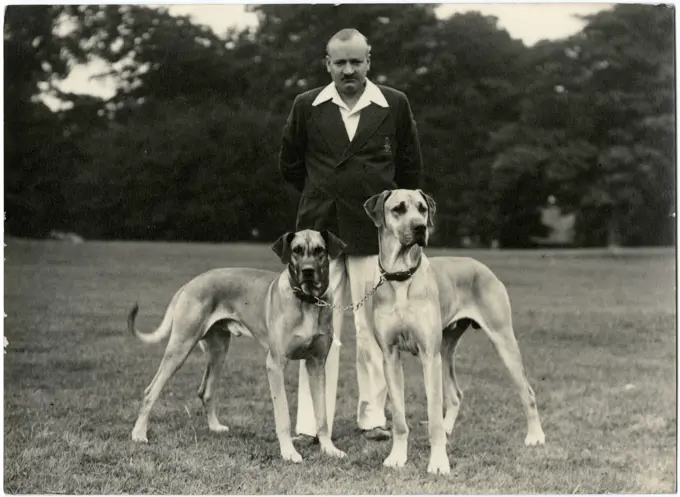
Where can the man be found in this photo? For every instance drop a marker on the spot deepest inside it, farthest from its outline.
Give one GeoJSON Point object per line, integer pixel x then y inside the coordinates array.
{"type": "Point", "coordinates": [342, 144]}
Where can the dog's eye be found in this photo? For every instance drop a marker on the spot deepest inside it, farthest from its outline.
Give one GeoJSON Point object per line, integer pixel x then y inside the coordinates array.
{"type": "Point", "coordinates": [399, 209]}
{"type": "Point", "coordinates": [422, 209]}
{"type": "Point", "coordinates": [297, 250]}
{"type": "Point", "coordinates": [318, 251]}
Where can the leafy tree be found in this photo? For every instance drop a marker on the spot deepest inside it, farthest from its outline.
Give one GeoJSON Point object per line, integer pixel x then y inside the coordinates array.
{"type": "Point", "coordinates": [155, 56]}
{"type": "Point", "coordinates": [183, 171]}
{"type": "Point", "coordinates": [597, 122]}
{"type": "Point", "coordinates": [465, 89]}
{"type": "Point", "coordinates": [38, 148]}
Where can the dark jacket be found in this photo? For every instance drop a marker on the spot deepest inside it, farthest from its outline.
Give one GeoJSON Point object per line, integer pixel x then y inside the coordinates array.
{"type": "Point", "coordinates": [336, 176]}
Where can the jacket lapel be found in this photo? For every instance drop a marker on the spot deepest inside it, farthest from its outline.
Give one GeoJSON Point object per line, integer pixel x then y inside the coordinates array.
{"type": "Point", "coordinates": [371, 118]}
{"type": "Point", "coordinates": [329, 121]}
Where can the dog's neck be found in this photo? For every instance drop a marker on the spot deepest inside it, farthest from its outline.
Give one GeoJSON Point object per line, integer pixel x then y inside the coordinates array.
{"type": "Point", "coordinates": [395, 257]}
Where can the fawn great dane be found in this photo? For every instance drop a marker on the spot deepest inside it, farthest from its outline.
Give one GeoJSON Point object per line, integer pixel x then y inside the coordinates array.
{"type": "Point", "coordinates": [423, 306]}
{"type": "Point", "coordinates": [279, 310]}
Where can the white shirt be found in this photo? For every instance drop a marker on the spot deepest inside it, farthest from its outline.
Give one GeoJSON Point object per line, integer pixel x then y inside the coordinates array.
{"type": "Point", "coordinates": [371, 94]}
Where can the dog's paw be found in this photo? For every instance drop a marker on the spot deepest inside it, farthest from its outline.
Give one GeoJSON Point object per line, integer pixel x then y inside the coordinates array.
{"type": "Point", "coordinates": [139, 437]}
{"type": "Point", "coordinates": [291, 455]}
{"type": "Point", "coordinates": [219, 428]}
{"type": "Point", "coordinates": [535, 438]}
{"type": "Point", "coordinates": [439, 465]}
{"type": "Point", "coordinates": [395, 460]}
{"type": "Point", "coordinates": [333, 451]}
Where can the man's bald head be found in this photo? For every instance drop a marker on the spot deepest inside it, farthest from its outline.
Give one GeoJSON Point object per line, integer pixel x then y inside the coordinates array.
{"type": "Point", "coordinates": [347, 35]}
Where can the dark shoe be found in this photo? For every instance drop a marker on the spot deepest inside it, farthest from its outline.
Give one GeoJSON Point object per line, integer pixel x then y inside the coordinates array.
{"type": "Point", "coordinates": [377, 434]}
{"type": "Point", "coordinates": [304, 439]}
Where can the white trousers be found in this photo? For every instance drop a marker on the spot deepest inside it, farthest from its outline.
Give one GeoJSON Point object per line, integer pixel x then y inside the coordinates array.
{"type": "Point", "coordinates": [357, 273]}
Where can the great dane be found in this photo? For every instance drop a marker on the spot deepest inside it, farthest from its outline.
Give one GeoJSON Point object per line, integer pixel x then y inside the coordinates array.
{"type": "Point", "coordinates": [277, 309]}
{"type": "Point", "coordinates": [423, 306]}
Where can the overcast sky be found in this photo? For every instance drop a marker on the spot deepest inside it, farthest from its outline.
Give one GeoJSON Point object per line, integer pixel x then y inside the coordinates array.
{"type": "Point", "coordinates": [529, 22]}
{"type": "Point", "coordinates": [526, 21]}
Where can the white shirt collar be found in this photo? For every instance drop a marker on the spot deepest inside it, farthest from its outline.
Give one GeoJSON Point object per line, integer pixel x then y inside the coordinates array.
{"type": "Point", "coordinates": [371, 94]}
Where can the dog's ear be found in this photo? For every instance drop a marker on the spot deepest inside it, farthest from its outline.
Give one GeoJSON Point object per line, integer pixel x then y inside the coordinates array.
{"type": "Point", "coordinates": [375, 207]}
{"type": "Point", "coordinates": [282, 246]}
{"type": "Point", "coordinates": [431, 207]}
{"type": "Point", "coordinates": [334, 246]}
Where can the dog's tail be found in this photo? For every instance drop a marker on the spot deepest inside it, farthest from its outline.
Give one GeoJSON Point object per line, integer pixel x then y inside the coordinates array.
{"type": "Point", "coordinates": [162, 331]}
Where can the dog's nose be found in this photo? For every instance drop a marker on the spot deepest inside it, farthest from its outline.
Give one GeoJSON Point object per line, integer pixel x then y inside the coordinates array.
{"type": "Point", "coordinates": [308, 272]}
{"type": "Point", "coordinates": [419, 229]}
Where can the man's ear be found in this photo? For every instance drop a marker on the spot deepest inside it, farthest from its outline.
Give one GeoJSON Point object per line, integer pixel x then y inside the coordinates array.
{"type": "Point", "coordinates": [334, 246]}
{"type": "Point", "coordinates": [282, 246]}
{"type": "Point", "coordinates": [431, 208]}
{"type": "Point", "coordinates": [375, 207]}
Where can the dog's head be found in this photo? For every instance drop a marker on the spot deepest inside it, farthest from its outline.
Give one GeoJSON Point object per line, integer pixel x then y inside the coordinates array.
{"type": "Point", "coordinates": [405, 214]}
{"type": "Point", "coordinates": [308, 255]}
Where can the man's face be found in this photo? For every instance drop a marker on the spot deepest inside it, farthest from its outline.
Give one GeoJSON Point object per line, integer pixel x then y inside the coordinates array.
{"type": "Point", "coordinates": [348, 63]}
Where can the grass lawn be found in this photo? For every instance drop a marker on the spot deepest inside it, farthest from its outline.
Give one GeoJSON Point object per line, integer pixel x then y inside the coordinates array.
{"type": "Point", "coordinates": [597, 335]}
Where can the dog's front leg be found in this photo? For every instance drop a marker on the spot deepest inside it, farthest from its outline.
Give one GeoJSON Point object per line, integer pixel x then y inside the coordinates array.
{"type": "Point", "coordinates": [316, 369]}
{"type": "Point", "coordinates": [277, 387]}
{"type": "Point", "coordinates": [432, 372]}
{"type": "Point", "coordinates": [394, 376]}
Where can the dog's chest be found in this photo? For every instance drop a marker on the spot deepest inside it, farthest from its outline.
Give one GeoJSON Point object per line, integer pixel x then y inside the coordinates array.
{"type": "Point", "coordinates": [405, 316]}
{"type": "Point", "coordinates": [310, 334]}
{"type": "Point", "coordinates": [408, 315]}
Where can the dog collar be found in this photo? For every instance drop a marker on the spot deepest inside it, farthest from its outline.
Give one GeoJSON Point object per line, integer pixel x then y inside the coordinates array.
{"type": "Point", "coordinates": [399, 275]}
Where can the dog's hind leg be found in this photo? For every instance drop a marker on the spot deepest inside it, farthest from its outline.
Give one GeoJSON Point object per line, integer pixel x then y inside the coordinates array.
{"type": "Point", "coordinates": [178, 349]}
{"type": "Point", "coordinates": [494, 306]}
{"type": "Point", "coordinates": [215, 345]}
{"type": "Point", "coordinates": [453, 395]}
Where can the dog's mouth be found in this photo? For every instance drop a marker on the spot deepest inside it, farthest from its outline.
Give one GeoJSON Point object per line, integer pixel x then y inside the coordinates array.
{"type": "Point", "coordinates": [411, 240]}
{"type": "Point", "coordinates": [312, 287]}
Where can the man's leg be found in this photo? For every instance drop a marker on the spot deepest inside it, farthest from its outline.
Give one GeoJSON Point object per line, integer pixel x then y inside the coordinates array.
{"type": "Point", "coordinates": [370, 377]}
{"type": "Point", "coordinates": [306, 422]}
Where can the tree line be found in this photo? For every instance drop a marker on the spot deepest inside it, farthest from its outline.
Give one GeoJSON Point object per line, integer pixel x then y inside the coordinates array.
{"type": "Point", "coordinates": [187, 147]}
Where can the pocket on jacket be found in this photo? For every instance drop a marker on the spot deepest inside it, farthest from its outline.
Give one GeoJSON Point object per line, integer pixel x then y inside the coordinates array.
{"type": "Point", "coordinates": [382, 144]}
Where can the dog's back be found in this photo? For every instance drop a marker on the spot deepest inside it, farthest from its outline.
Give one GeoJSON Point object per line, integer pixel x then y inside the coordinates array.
{"type": "Point", "coordinates": [463, 280]}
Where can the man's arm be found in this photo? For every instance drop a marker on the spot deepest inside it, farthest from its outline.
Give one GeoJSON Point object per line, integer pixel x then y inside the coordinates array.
{"type": "Point", "coordinates": [292, 154]}
{"type": "Point", "coordinates": [408, 159]}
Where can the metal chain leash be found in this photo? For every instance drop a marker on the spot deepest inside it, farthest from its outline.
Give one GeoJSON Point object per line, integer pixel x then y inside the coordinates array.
{"type": "Point", "coordinates": [353, 306]}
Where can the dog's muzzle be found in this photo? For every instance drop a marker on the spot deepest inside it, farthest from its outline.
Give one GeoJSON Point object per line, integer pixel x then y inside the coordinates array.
{"type": "Point", "coordinates": [311, 281]}
{"type": "Point", "coordinates": [420, 234]}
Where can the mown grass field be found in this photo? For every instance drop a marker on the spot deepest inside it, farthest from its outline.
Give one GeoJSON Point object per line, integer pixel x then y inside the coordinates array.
{"type": "Point", "coordinates": [597, 335]}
